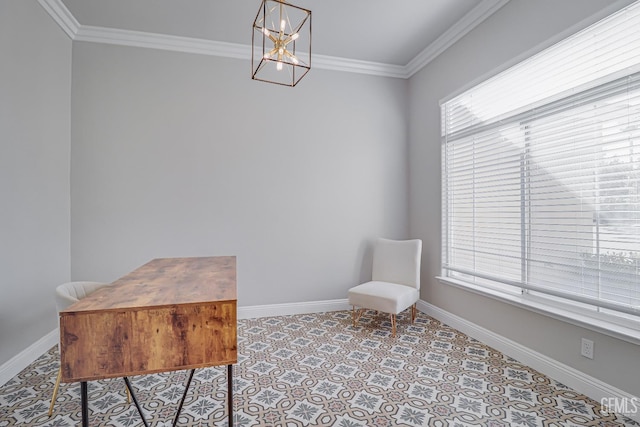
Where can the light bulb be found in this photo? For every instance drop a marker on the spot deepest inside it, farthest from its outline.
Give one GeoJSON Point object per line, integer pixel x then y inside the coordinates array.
{"type": "Point", "coordinates": [279, 66]}
{"type": "Point", "coordinates": [280, 51]}
{"type": "Point", "coordinates": [266, 32]}
{"type": "Point", "coordinates": [267, 56]}
{"type": "Point", "coordinates": [295, 36]}
{"type": "Point", "coordinates": [294, 60]}
{"type": "Point", "coordinates": [283, 24]}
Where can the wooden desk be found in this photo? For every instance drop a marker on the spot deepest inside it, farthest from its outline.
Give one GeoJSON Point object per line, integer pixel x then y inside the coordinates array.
{"type": "Point", "coordinates": [170, 314]}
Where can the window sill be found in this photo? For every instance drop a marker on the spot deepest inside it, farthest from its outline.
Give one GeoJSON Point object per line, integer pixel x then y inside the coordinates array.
{"type": "Point", "coordinates": [563, 312]}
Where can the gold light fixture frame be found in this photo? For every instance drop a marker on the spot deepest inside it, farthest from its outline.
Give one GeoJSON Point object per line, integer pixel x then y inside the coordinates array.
{"type": "Point", "coordinates": [281, 43]}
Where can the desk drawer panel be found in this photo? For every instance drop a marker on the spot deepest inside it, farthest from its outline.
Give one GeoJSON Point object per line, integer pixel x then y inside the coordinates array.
{"type": "Point", "coordinates": [119, 343]}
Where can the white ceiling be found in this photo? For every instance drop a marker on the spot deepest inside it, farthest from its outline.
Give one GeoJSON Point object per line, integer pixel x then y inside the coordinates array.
{"type": "Point", "coordinates": [381, 31]}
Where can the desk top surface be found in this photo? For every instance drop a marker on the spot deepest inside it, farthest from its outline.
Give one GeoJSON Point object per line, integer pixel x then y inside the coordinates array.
{"type": "Point", "coordinates": [166, 281]}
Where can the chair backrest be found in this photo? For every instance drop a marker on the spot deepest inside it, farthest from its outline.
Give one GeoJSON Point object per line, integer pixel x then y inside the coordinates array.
{"type": "Point", "coordinates": [68, 293]}
{"type": "Point", "coordinates": [397, 261]}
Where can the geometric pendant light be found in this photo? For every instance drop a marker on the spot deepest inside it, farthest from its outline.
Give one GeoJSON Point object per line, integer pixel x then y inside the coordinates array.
{"type": "Point", "coordinates": [281, 43]}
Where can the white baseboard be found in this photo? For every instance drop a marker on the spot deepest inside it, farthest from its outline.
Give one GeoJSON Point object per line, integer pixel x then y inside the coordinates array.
{"type": "Point", "coordinates": [256, 311]}
{"type": "Point", "coordinates": [577, 380]}
{"type": "Point", "coordinates": [17, 363]}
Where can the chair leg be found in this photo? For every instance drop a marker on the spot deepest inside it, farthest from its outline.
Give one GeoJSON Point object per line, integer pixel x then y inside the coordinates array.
{"type": "Point", "coordinates": [393, 325]}
{"type": "Point", "coordinates": [128, 394]}
{"type": "Point", "coordinates": [413, 313]}
{"type": "Point", "coordinates": [353, 315]}
{"type": "Point", "coordinates": [55, 391]}
{"type": "Point", "coordinates": [356, 314]}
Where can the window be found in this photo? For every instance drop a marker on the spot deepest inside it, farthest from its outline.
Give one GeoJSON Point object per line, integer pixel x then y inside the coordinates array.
{"type": "Point", "coordinates": [541, 174]}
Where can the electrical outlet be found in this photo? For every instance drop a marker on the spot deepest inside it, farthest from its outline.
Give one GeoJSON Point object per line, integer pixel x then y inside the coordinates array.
{"type": "Point", "coordinates": [587, 348]}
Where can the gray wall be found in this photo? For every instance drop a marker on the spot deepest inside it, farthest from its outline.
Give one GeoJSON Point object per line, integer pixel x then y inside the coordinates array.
{"type": "Point", "coordinates": [180, 155]}
{"type": "Point", "coordinates": [177, 154]}
{"type": "Point", "coordinates": [519, 26]}
{"type": "Point", "coordinates": [35, 87]}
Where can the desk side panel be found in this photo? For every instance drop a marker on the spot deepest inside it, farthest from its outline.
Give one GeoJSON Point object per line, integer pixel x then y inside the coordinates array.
{"type": "Point", "coordinates": [118, 343]}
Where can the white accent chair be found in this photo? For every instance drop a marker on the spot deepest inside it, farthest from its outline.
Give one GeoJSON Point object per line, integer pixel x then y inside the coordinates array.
{"type": "Point", "coordinates": [67, 294]}
{"type": "Point", "coordinates": [395, 281]}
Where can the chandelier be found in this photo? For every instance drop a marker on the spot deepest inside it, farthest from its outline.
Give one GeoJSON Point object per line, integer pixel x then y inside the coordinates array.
{"type": "Point", "coordinates": [281, 43]}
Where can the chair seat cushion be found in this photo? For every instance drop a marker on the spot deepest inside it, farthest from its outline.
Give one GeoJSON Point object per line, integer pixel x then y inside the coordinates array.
{"type": "Point", "coordinates": [383, 296]}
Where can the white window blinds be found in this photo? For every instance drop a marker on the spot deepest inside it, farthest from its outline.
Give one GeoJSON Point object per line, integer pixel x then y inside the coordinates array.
{"type": "Point", "coordinates": [541, 171]}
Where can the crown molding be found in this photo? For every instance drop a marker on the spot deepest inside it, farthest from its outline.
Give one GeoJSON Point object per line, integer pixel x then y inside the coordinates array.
{"type": "Point", "coordinates": [114, 36]}
{"type": "Point", "coordinates": [227, 50]}
{"type": "Point", "coordinates": [86, 33]}
{"type": "Point", "coordinates": [468, 22]}
{"type": "Point", "coordinates": [357, 66]}
{"type": "Point", "coordinates": [222, 49]}
{"type": "Point", "coordinates": [59, 12]}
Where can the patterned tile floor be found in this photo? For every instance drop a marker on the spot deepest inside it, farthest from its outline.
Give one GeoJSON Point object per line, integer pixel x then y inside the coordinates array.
{"type": "Point", "coordinates": [317, 370]}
